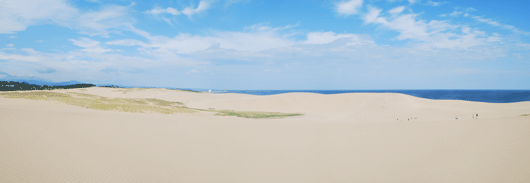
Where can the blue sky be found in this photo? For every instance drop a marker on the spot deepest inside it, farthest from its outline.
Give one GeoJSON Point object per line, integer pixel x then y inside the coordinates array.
{"type": "Point", "coordinates": [268, 44]}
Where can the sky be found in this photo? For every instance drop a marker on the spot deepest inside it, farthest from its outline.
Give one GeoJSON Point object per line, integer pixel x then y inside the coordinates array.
{"type": "Point", "coordinates": [269, 44]}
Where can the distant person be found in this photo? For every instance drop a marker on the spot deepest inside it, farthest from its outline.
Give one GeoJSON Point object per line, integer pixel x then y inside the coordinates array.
{"type": "Point", "coordinates": [477, 116]}
{"type": "Point", "coordinates": [456, 117]}
{"type": "Point", "coordinates": [473, 116]}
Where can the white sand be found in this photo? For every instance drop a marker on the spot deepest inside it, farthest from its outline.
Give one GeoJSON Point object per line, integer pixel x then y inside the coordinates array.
{"type": "Point", "coordinates": [341, 138]}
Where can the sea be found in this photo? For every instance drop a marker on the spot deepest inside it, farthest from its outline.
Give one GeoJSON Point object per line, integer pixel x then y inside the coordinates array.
{"type": "Point", "coordinates": [490, 96]}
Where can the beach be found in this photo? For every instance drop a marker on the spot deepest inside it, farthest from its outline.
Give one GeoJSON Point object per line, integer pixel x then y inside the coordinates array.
{"type": "Point", "coordinates": [352, 137]}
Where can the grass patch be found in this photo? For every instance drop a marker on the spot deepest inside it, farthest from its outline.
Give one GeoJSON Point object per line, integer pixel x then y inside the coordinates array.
{"type": "Point", "coordinates": [103, 103]}
{"type": "Point", "coordinates": [163, 102]}
{"type": "Point", "coordinates": [149, 105]}
{"type": "Point", "coordinates": [255, 114]}
{"type": "Point", "coordinates": [525, 114]}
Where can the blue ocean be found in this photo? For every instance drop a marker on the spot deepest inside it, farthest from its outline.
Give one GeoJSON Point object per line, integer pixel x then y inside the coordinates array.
{"type": "Point", "coordinates": [490, 96]}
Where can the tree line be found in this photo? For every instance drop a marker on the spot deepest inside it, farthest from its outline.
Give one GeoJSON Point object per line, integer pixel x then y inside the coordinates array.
{"type": "Point", "coordinates": [21, 86]}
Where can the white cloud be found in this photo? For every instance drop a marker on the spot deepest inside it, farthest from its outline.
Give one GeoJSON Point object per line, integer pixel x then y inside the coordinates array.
{"type": "Point", "coordinates": [203, 5]}
{"type": "Point", "coordinates": [90, 46]}
{"type": "Point", "coordinates": [168, 56]}
{"type": "Point", "coordinates": [102, 22]}
{"type": "Point", "coordinates": [436, 34]}
{"type": "Point", "coordinates": [349, 7]}
{"type": "Point", "coordinates": [259, 38]}
{"type": "Point", "coordinates": [488, 21]}
{"type": "Point", "coordinates": [29, 56]}
{"type": "Point", "coordinates": [189, 11]}
{"type": "Point", "coordinates": [18, 15]}
{"type": "Point", "coordinates": [193, 71]}
{"type": "Point", "coordinates": [497, 24]}
{"type": "Point", "coordinates": [328, 37]}
{"type": "Point", "coordinates": [432, 3]}
{"type": "Point", "coordinates": [396, 10]}
{"type": "Point", "coordinates": [455, 13]}
{"type": "Point", "coordinates": [172, 11]}
{"type": "Point", "coordinates": [494, 39]}
{"type": "Point", "coordinates": [167, 20]}
{"type": "Point", "coordinates": [10, 45]}
{"type": "Point", "coordinates": [126, 42]}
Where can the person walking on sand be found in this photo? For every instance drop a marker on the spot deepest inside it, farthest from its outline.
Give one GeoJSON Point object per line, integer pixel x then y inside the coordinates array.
{"type": "Point", "coordinates": [473, 116]}
{"type": "Point", "coordinates": [477, 116]}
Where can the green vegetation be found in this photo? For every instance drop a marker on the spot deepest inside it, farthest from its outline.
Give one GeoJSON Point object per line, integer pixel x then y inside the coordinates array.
{"type": "Point", "coordinates": [134, 105]}
{"type": "Point", "coordinates": [188, 90]}
{"type": "Point", "coordinates": [125, 90]}
{"type": "Point", "coordinates": [525, 114]}
{"type": "Point", "coordinates": [255, 114]}
{"type": "Point", "coordinates": [17, 86]}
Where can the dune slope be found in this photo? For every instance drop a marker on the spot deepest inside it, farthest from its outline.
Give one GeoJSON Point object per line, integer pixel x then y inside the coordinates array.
{"type": "Point", "coordinates": [340, 138]}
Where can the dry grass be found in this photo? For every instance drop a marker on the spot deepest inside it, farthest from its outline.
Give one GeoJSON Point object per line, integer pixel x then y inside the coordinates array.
{"type": "Point", "coordinates": [163, 102]}
{"type": "Point", "coordinates": [103, 103]}
{"type": "Point", "coordinates": [149, 105]}
{"type": "Point", "coordinates": [525, 114]}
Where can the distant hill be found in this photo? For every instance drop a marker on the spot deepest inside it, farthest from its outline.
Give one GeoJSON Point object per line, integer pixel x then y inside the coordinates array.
{"type": "Point", "coordinates": [39, 82]}
{"type": "Point", "coordinates": [34, 80]}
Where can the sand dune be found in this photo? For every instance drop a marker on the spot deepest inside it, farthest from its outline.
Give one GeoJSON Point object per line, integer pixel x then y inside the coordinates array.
{"type": "Point", "coordinates": [340, 138]}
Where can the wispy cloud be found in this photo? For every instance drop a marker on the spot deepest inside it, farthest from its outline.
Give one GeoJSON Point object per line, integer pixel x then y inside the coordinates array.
{"type": "Point", "coordinates": [104, 21]}
{"type": "Point", "coordinates": [434, 33]}
{"type": "Point", "coordinates": [193, 71]}
{"type": "Point", "coordinates": [158, 10]}
{"type": "Point", "coordinates": [256, 39]}
{"type": "Point", "coordinates": [457, 13]}
{"type": "Point", "coordinates": [328, 37]}
{"type": "Point", "coordinates": [497, 24]}
{"type": "Point", "coordinates": [432, 3]}
{"type": "Point", "coordinates": [89, 45]}
{"type": "Point", "coordinates": [203, 5]}
{"type": "Point", "coordinates": [189, 11]}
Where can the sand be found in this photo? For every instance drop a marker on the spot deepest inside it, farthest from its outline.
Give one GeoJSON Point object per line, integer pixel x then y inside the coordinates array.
{"type": "Point", "coordinates": [340, 138]}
